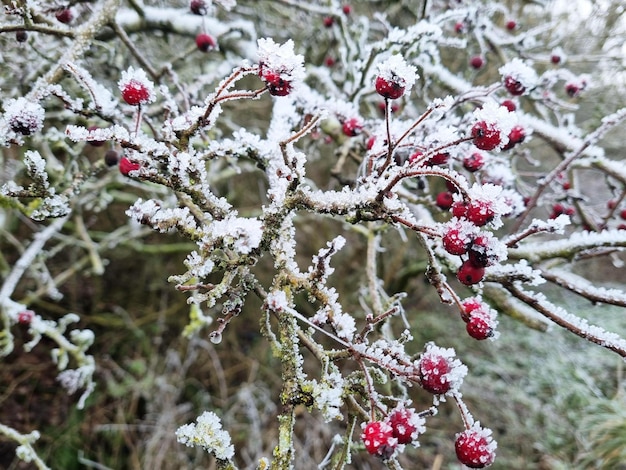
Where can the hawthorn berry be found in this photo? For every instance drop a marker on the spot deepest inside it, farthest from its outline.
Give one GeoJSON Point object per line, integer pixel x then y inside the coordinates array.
{"type": "Point", "coordinates": [25, 317]}
{"type": "Point", "coordinates": [444, 200]}
{"type": "Point", "coordinates": [135, 87]}
{"type": "Point", "coordinates": [455, 241]}
{"type": "Point", "coordinates": [394, 77]}
{"type": "Point", "coordinates": [572, 89]}
{"type": "Point", "coordinates": [475, 447]}
{"type": "Point", "coordinates": [352, 127]}
{"type": "Point", "coordinates": [555, 59]}
{"type": "Point", "coordinates": [347, 9]}
{"type": "Point", "coordinates": [459, 209]}
{"type": "Point", "coordinates": [511, 25]}
{"type": "Point", "coordinates": [474, 161]}
{"type": "Point", "coordinates": [126, 166]}
{"type": "Point", "coordinates": [477, 62]}
{"type": "Point", "coordinates": [510, 105]}
{"type": "Point", "coordinates": [64, 16]}
{"type": "Point", "coordinates": [389, 89]}
{"type": "Point", "coordinates": [478, 327]}
{"type": "Point", "coordinates": [470, 274]}
{"type": "Point", "coordinates": [21, 35]}
{"type": "Point", "coordinates": [205, 42]}
{"type": "Point", "coordinates": [622, 214]}
{"type": "Point", "coordinates": [329, 61]}
{"type": "Point", "coordinates": [415, 157]}
{"type": "Point", "coordinates": [277, 85]}
{"type": "Point", "coordinates": [485, 136]}
{"type": "Point", "coordinates": [516, 136]}
{"type": "Point", "coordinates": [514, 86]}
{"type": "Point", "coordinates": [459, 27]}
{"type": "Point", "coordinates": [439, 371]}
{"type": "Point", "coordinates": [378, 439]}
{"type": "Point", "coordinates": [24, 116]}
{"type": "Point", "coordinates": [111, 157]}
{"type": "Point", "coordinates": [479, 212]}
{"type": "Point", "coordinates": [440, 158]}
{"type": "Point", "coordinates": [480, 251]}
{"type": "Point", "coordinates": [198, 7]}
{"type": "Point", "coordinates": [469, 305]}
{"type": "Point", "coordinates": [405, 424]}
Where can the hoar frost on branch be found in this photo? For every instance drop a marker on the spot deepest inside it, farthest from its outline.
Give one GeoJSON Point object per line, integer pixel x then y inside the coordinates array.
{"type": "Point", "coordinates": [443, 171]}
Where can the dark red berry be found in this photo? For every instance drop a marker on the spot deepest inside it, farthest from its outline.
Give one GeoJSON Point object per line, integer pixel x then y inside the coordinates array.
{"type": "Point", "coordinates": [126, 166]}
{"type": "Point", "coordinates": [572, 90]}
{"type": "Point", "coordinates": [514, 86]}
{"type": "Point", "coordinates": [477, 62]}
{"type": "Point", "coordinates": [347, 9]}
{"type": "Point", "coordinates": [555, 59]}
{"type": "Point", "coordinates": [378, 439]}
{"type": "Point", "coordinates": [328, 21]}
{"type": "Point", "coordinates": [111, 157]}
{"type": "Point", "coordinates": [510, 105]}
{"type": "Point", "coordinates": [64, 16]}
{"type": "Point", "coordinates": [389, 89]}
{"type": "Point", "coordinates": [459, 209]}
{"type": "Point", "coordinates": [352, 127]}
{"type": "Point", "coordinates": [444, 200]}
{"type": "Point", "coordinates": [198, 7]}
{"type": "Point", "coordinates": [433, 370]}
{"type": "Point", "coordinates": [485, 136]}
{"type": "Point", "coordinates": [469, 274]}
{"type": "Point", "coordinates": [276, 85]}
{"type": "Point", "coordinates": [205, 42]}
{"type": "Point", "coordinates": [25, 317]}
{"type": "Point", "coordinates": [402, 422]}
{"type": "Point", "coordinates": [479, 327]}
{"type": "Point", "coordinates": [459, 27]}
{"type": "Point", "coordinates": [511, 25]}
{"type": "Point", "coordinates": [622, 214]}
{"type": "Point", "coordinates": [474, 161]}
{"type": "Point", "coordinates": [21, 35]}
{"type": "Point", "coordinates": [440, 158]}
{"type": "Point", "coordinates": [516, 136]}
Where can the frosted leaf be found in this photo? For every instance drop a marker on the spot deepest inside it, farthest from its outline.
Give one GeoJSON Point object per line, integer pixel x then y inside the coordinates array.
{"type": "Point", "coordinates": [207, 433]}
{"type": "Point", "coordinates": [395, 69]}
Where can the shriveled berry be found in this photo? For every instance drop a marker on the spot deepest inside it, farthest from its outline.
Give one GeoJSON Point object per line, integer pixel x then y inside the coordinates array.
{"type": "Point", "coordinates": [378, 439]}
{"type": "Point", "coordinates": [470, 274]}
{"type": "Point", "coordinates": [485, 136]}
{"type": "Point", "coordinates": [572, 89]}
{"type": "Point", "coordinates": [205, 42]}
{"type": "Point", "coordinates": [514, 86]}
{"type": "Point", "coordinates": [511, 25]}
{"type": "Point", "coordinates": [475, 447]}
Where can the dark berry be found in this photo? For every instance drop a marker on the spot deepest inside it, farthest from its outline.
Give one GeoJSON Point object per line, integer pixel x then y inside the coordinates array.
{"type": "Point", "coordinates": [510, 105]}
{"type": "Point", "coordinates": [514, 86]}
{"type": "Point", "coordinates": [64, 16]}
{"type": "Point", "coordinates": [469, 274]}
{"type": "Point", "coordinates": [21, 35]}
{"type": "Point", "coordinates": [198, 7]}
{"type": "Point", "coordinates": [111, 157]}
{"type": "Point", "coordinates": [205, 42]}
{"type": "Point", "coordinates": [477, 62]}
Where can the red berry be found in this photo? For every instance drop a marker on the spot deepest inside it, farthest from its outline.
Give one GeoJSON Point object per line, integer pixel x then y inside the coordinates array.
{"type": "Point", "coordinates": [378, 439]}
{"type": "Point", "coordinates": [510, 105]}
{"type": "Point", "coordinates": [479, 212]}
{"type": "Point", "coordinates": [572, 89]}
{"type": "Point", "coordinates": [198, 7]}
{"type": "Point", "coordinates": [459, 27]}
{"type": "Point", "coordinates": [64, 16]}
{"type": "Point", "coordinates": [352, 127]}
{"type": "Point", "coordinates": [511, 25]}
{"type": "Point", "coordinates": [469, 305]}
{"type": "Point", "coordinates": [25, 317]}
{"type": "Point", "coordinates": [433, 370]}
{"type": "Point", "coordinates": [469, 274]}
{"type": "Point", "coordinates": [622, 214]}
{"type": "Point", "coordinates": [277, 86]}
{"type": "Point", "coordinates": [459, 209]}
{"type": "Point", "coordinates": [126, 166]}
{"type": "Point", "coordinates": [455, 241]}
{"type": "Point", "coordinates": [405, 425]}
{"type": "Point", "coordinates": [389, 89]}
{"type": "Point", "coordinates": [135, 93]}
{"type": "Point", "coordinates": [566, 185]}
{"type": "Point", "coordinates": [440, 158]}
{"type": "Point", "coordinates": [555, 59]}
{"type": "Point", "coordinates": [474, 161]}
{"type": "Point", "coordinates": [514, 86]}
{"type": "Point", "coordinates": [611, 204]}
{"type": "Point", "coordinates": [477, 62]}
{"type": "Point", "coordinates": [371, 140]}
{"type": "Point", "coordinates": [205, 42]}
{"type": "Point", "coordinates": [478, 327]}
{"type": "Point", "coordinates": [416, 156]}
{"type": "Point", "coordinates": [328, 21]}
{"type": "Point", "coordinates": [329, 61]}
{"type": "Point", "coordinates": [444, 200]}
{"type": "Point", "coordinates": [475, 447]}
{"type": "Point", "coordinates": [516, 136]}
{"type": "Point", "coordinates": [486, 136]}
{"type": "Point", "coordinates": [347, 9]}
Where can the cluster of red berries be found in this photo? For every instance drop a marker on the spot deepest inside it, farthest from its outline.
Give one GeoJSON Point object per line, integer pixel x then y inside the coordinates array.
{"type": "Point", "coordinates": [480, 319]}
{"type": "Point", "coordinates": [400, 427]}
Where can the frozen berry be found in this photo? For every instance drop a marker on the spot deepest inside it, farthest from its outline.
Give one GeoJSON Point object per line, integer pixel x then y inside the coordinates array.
{"type": "Point", "coordinates": [347, 9]}
{"type": "Point", "coordinates": [390, 89]}
{"type": "Point", "coordinates": [475, 447]}
{"type": "Point", "coordinates": [135, 87]}
{"type": "Point", "coordinates": [444, 200]}
{"type": "Point", "coordinates": [470, 274]}
{"type": "Point", "coordinates": [478, 327]}
{"type": "Point", "coordinates": [477, 62]}
{"type": "Point", "coordinates": [555, 59]}
{"type": "Point", "coordinates": [276, 84]}
{"type": "Point", "coordinates": [511, 25]}
{"type": "Point", "coordinates": [378, 439]}
{"type": "Point", "coordinates": [205, 42]}
{"type": "Point", "coordinates": [572, 89]}
{"type": "Point", "coordinates": [480, 251]}
{"type": "Point", "coordinates": [126, 166]}
{"type": "Point", "coordinates": [474, 161]}
{"type": "Point", "coordinates": [198, 7]}
{"type": "Point", "coordinates": [455, 241]}
{"type": "Point", "coordinates": [352, 127]}
{"type": "Point", "coordinates": [416, 157]}
{"type": "Point", "coordinates": [329, 61]}
{"type": "Point", "coordinates": [470, 305]}
{"type": "Point", "coordinates": [439, 371]}
{"type": "Point", "coordinates": [459, 209]}
{"type": "Point", "coordinates": [111, 157]}
{"type": "Point", "coordinates": [64, 16]}
{"type": "Point", "coordinates": [485, 136]}
{"type": "Point", "coordinates": [21, 35]}
{"type": "Point", "coordinates": [25, 317]}
{"type": "Point", "coordinates": [459, 27]}
{"type": "Point", "coordinates": [480, 212]}
{"type": "Point", "coordinates": [516, 136]}
{"type": "Point", "coordinates": [328, 21]}
{"type": "Point", "coordinates": [510, 105]}
{"type": "Point", "coordinates": [24, 116]}
{"type": "Point", "coordinates": [440, 158]}
{"type": "Point", "coordinates": [514, 86]}
{"type": "Point", "coordinates": [406, 424]}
